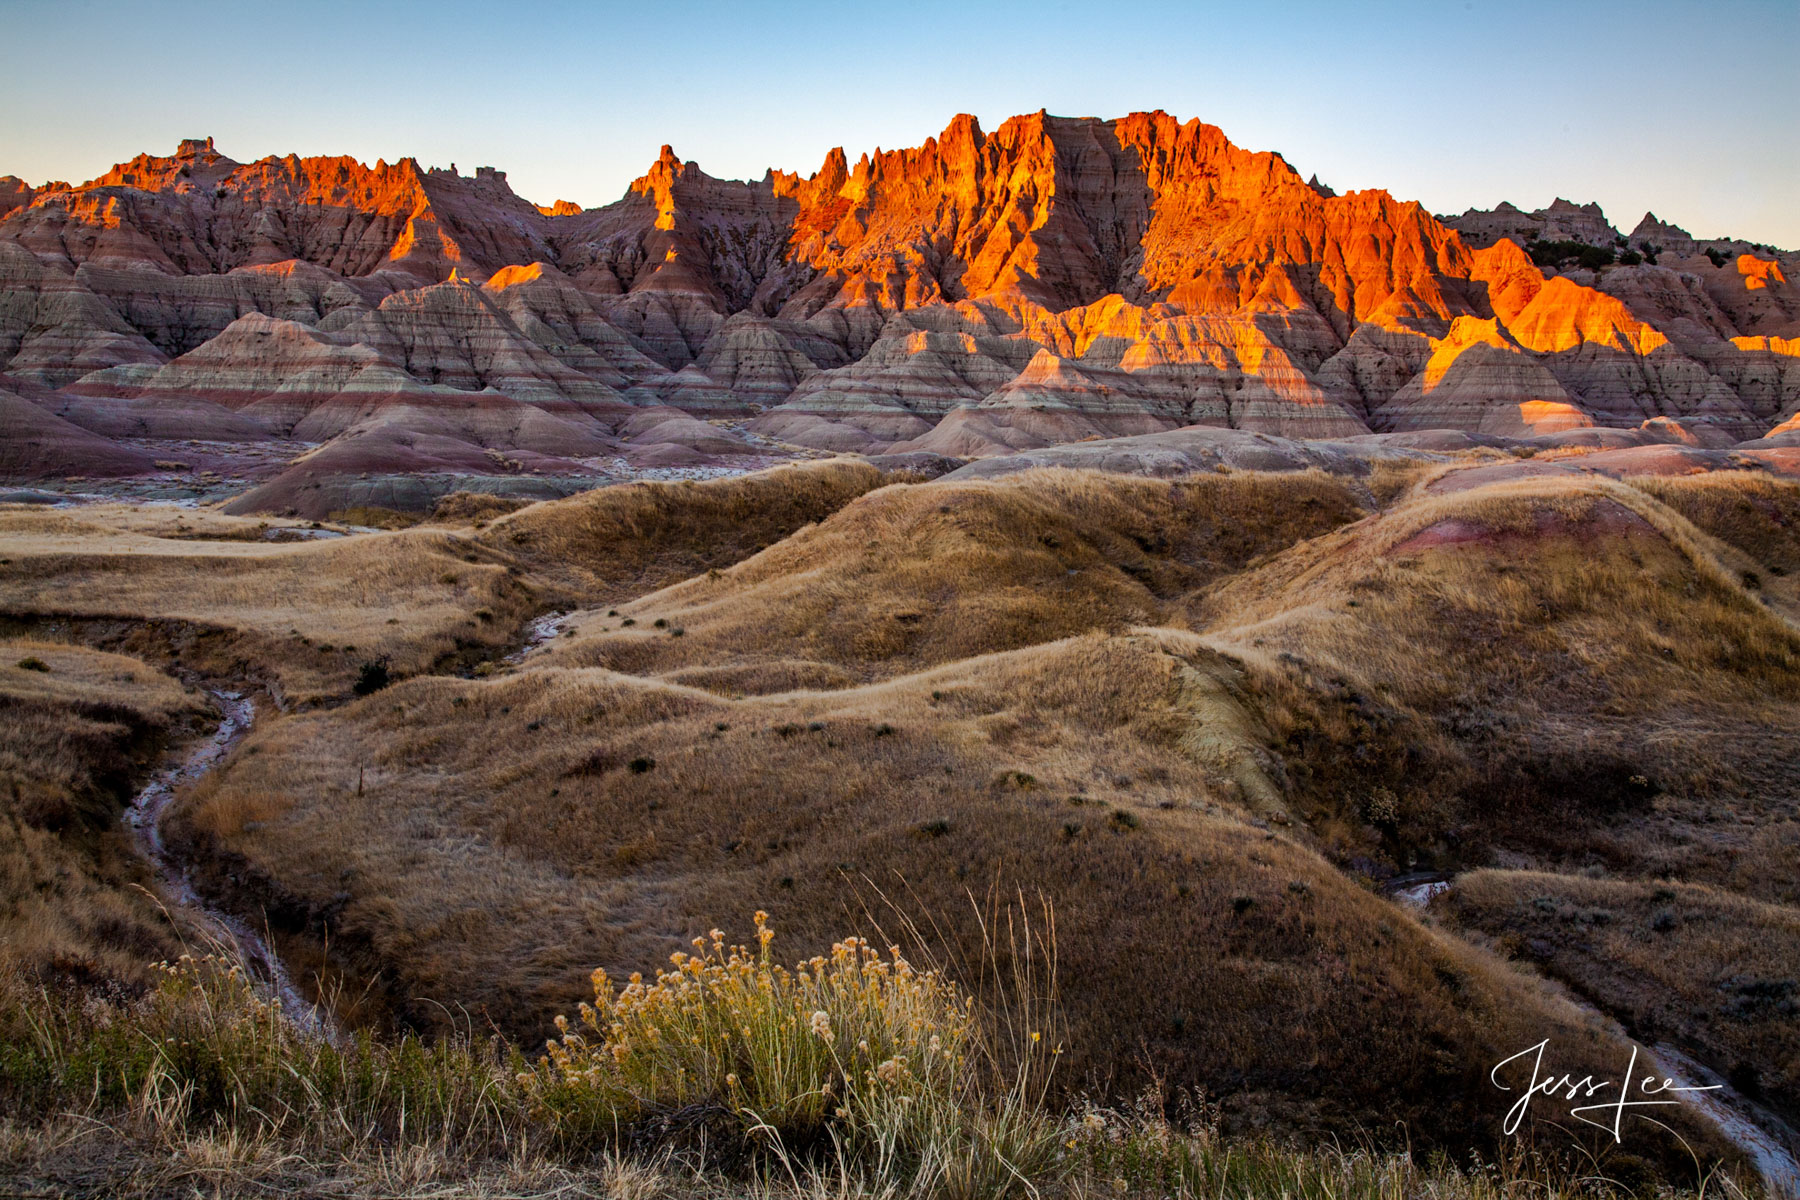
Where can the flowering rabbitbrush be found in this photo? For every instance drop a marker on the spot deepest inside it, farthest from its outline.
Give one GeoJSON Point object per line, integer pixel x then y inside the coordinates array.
{"type": "Point", "coordinates": [847, 1038]}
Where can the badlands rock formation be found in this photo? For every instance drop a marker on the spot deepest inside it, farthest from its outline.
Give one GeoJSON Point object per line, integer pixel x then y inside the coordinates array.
{"type": "Point", "coordinates": [1563, 221]}
{"type": "Point", "coordinates": [986, 293]}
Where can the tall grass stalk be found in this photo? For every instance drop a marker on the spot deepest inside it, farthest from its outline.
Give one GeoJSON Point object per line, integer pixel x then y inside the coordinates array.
{"type": "Point", "coordinates": [203, 1049]}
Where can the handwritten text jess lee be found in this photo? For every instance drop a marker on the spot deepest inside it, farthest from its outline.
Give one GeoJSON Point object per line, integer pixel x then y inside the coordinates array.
{"type": "Point", "coordinates": [1586, 1088]}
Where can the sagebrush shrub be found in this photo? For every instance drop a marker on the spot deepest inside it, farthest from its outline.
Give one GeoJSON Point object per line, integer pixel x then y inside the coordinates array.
{"type": "Point", "coordinates": [855, 1050]}
{"type": "Point", "coordinates": [841, 1039]}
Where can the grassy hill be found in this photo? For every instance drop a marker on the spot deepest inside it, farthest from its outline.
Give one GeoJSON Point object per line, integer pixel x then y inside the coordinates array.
{"type": "Point", "coordinates": [1199, 720]}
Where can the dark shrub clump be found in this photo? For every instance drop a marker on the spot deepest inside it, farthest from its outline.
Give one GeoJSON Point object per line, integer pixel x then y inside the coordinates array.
{"type": "Point", "coordinates": [372, 676]}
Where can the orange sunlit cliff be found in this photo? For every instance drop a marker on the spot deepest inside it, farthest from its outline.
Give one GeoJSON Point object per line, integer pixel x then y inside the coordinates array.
{"type": "Point", "coordinates": [1174, 277]}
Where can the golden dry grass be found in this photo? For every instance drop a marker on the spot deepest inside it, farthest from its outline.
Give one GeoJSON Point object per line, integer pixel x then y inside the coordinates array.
{"type": "Point", "coordinates": [513, 833]}
{"type": "Point", "coordinates": [73, 676]}
{"type": "Point", "coordinates": [149, 520]}
{"type": "Point", "coordinates": [1469, 663]}
{"type": "Point", "coordinates": [199, 1087]}
{"type": "Point", "coordinates": [624, 540]}
{"type": "Point", "coordinates": [1756, 514]}
{"type": "Point", "coordinates": [473, 508]}
{"type": "Point", "coordinates": [303, 615]}
{"type": "Point", "coordinates": [1391, 480]}
{"type": "Point", "coordinates": [306, 614]}
{"type": "Point", "coordinates": [915, 575]}
{"type": "Point", "coordinates": [376, 517]}
{"type": "Point", "coordinates": [1170, 705]}
{"type": "Point", "coordinates": [1716, 974]}
{"type": "Point", "coordinates": [75, 729]}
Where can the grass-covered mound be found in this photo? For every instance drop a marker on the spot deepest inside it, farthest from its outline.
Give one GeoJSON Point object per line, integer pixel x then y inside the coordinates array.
{"type": "Point", "coordinates": [484, 843]}
{"type": "Point", "coordinates": [77, 726]}
{"type": "Point", "coordinates": [913, 576]}
{"type": "Point", "coordinates": [616, 542]}
{"type": "Point", "coordinates": [1548, 665]}
{"type": "Point", "coordinates": [1199, 716]}
{"type": "Point", "coordinates": [236, 599]}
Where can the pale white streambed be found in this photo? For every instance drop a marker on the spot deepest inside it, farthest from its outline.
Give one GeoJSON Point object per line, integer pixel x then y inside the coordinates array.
{"type": "Point", "coordinates": [539, 631]}
{"type": "Point", "coordinates": [1419, 895]}
{"type": "Point", "coordinates": [144, 819]}
{"type": "Point", "coordinates": [1727, 1110]}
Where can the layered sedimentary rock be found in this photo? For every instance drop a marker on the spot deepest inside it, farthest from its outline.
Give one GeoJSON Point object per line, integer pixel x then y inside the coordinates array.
{"type": "Point", "coordinates": [1233, 370]}
{"type": "Point", "coordinates": [279, 370]}
{"type": "Point", "coordinates": [456, 335]}
{"type": "Point", "coordinates": [197, 212]}
{"type": "Point", "coordinates": [1055, 279]}
{"type": "Point", "coordinates": [1764, 372]}
{"type": "Point", "coordinates": [1479, 379]}
{"type": "Point", "coordinates": [1200, 448]}
{"type": "Point", "coordinates": [177, 313]}
{"type": "Point", "coordinates": [35, 444]}
{"type": "Point", "coordinates": [53, 330]}
{"type": "Point", "coordinates": [1657, 237]}
{"type": "Point", "coordinates": [762, 359]}
{"type": "Point", "coordinates": [1619, 369]}
{"type": "Point", "coordinates": [545, 306]}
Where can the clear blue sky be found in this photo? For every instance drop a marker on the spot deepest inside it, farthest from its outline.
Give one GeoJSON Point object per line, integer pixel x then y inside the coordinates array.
{"type": "Point", "coordinates": [1690, 109]}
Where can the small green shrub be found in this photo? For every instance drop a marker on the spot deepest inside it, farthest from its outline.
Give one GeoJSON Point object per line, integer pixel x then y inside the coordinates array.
{"type": "Point", "coordinates": [32, 662]}
{"type": "Point", "coordinates": [1556, 254]}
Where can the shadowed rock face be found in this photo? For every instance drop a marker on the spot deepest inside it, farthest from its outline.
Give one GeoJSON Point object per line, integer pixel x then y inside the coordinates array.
{"type": "Point", "coordinates": [1053, 280]}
